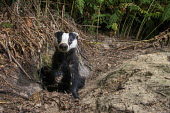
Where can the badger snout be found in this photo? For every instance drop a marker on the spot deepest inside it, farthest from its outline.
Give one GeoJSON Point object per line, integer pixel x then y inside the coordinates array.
{"type": "Point", "coordinates": [63, 47]}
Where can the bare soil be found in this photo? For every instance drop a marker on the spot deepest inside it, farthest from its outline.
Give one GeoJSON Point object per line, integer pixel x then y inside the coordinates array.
{"type": "Point", "coordinates": [102, 60]}
{"type": "Point", "coordinates": [25, 48]}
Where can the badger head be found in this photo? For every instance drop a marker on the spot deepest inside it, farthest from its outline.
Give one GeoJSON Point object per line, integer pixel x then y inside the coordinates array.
{"type": "Point", "coordinates": [64, 42]}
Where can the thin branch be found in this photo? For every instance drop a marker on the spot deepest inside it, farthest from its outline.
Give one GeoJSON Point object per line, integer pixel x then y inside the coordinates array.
{"type": "Point", "coordinates": [17, 93]}
{"type": "Point", "coordinates": [7, 50]}
{"type": "Point", "coordinates": [62, 16]}
{"type": "Point", "coordinates": [52, 2]}
{"type": "Point", "coordinates": [53, 19]}
{"type": "Point", "coordinates": [9, 55]}
{"type": "Point", "coordinates": [91, 26]}
{"type": "Point", "coordinates": [5, 102]}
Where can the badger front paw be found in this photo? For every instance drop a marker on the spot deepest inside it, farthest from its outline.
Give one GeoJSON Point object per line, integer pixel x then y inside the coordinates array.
{"type": "Point", "coordinates": [58, 78]}
{"type": "Point", "coordinates": [57, 75]}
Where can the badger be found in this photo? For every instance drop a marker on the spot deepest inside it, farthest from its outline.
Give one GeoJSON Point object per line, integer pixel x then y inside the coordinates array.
{"type": "Point", "coordinates": [65, 63]}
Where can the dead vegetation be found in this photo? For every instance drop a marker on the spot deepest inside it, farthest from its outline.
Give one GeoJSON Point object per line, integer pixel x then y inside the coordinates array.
{"type": "Point", "coordinates": [26, 44]}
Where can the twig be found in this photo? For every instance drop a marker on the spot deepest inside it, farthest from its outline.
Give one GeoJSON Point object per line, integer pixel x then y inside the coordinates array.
{"type": "Point", "coordinates": [161, 93]}
{"type": "Point", "coordinates": [62, 16]}
{"type": "Point", "coordinates": [167, 78]}
{"type": "Point", "coordinates": [133, 45]}
{"type": "Point", "coordinates": [15, 61]}
{"type": "Point", "coordinates": [9, 55]}
{"type": "Point", "coordinates": [91, 26]}
{"type": "Point", "coordinates": [17, 93]}
{"type": "Point", "coordinates": [7, 81]}
{"type": "Point", "coordinates": [5, 102]}
{"type": "Point", "coordinates": [53, 19]}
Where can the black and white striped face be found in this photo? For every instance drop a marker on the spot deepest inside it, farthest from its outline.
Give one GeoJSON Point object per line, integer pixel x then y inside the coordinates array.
{"type": "Point", "coordinates": [66, 41]}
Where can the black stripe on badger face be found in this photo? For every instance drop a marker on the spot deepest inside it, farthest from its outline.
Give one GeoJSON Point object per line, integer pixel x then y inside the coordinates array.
{"type": "Point", "coordinates": [66, 41]}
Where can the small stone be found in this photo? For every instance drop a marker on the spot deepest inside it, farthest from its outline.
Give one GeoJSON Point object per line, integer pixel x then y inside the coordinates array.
{"type": "Point", "coordinates": [38, 105]}
{"type": "Point", "coordinates": [46, 106]}
{"type": "Point", "coordinates": [106, 46]}
{"type": "Point", "coordinates": [1, 109]}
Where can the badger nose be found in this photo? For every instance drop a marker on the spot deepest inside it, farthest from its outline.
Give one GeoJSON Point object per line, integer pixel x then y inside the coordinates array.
{"type": "Point", "coordinates": [63, 46]}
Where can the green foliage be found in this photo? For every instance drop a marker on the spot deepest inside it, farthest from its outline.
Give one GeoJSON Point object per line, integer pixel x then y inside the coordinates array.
{"type": "Point", "coordinates": [125, 1]}
{"type": "Point", "coordinates": [145, 1]}
{"type": "Point", "coordinates": [6, 24]}
{"type": "Point", "coordinates": [166, 13]}
{"type": "Point", "coordinates": [115, 26]}
{"type": "Point", "coordinates": [139, 18]}
{"type": "Point", "coordinates": [1, 4]}
{"type": "Point", "coordinates": [46, 60]}
{"type": "Point", "coordinates": [114, 19]}
{"type": "Point", "coordinates": [80, 5]}
{"type": "Point", "coordinates": [134, 7]}
{"type": "Point", "coordinates": [155, 15]}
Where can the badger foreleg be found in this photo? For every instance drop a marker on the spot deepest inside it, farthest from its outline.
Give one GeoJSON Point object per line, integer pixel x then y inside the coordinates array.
{"type": "Point", "coordinates": [76, 80]}
{"type": "Point", "coordinates": [74, 85]}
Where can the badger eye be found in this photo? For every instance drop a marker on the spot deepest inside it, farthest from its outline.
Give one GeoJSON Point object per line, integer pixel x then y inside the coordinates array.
{"type": "Point", "coordinates": [70, 41]}
{"type": "Point", "coordinates": [58, 40]}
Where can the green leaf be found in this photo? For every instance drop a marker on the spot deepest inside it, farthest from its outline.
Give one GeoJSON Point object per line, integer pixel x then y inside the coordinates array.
{"type": "Point", "coordinates": [146, 1]}
{"type": "Point", "coordinates": [155, 15]}
{"type": "Point", "coordinates": [6, 24]}
{"type": "Point", "coordinates": [115, 26]}
{"type": "Point", "coordinates": [126, 1]}
{"type": "Point", "coordinates": [114, 18]}
{"type": "Point", "coordinates": [80, 5]}
{"type": "Point", "coordinates": [166, 13]}
{"type": "Point", "coordinates": [134, 7]}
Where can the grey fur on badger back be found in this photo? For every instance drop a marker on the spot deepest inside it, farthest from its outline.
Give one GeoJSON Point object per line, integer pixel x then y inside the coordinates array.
{"type": "Point", "coordinates": [65, 63]}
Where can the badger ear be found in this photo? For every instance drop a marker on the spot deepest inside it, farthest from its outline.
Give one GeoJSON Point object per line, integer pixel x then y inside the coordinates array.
{"type": "Point", "coordinates": [76, 34]}
{"type": "Point", "coordinates": [58, 34]}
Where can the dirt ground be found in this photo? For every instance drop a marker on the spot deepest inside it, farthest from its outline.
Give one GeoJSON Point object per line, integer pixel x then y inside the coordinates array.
{"type": "Point", "coordinates": [25, 48]}
{"type": "Point", "coordinates": [139, 85]}
{"type": "Point", "coordinates": [104, 58]}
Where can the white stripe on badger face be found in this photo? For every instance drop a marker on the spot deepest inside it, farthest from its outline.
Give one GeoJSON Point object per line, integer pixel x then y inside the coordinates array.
{"type": "Point", "coordinates": [64, 39]}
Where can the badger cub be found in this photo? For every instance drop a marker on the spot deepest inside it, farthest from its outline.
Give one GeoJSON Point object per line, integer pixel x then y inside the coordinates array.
{"type": "Point", "coordinates": [65, 63]}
